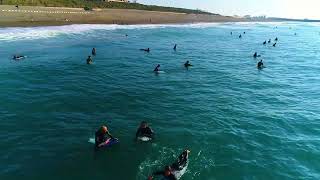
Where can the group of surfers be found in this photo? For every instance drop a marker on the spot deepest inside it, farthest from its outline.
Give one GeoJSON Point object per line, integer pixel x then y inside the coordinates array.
{"type": "Point", "coordinates": [255, 55]}
{"type": "Point", "coordinates": [156, 69]}
{"type": "Point", "coordinates": [103, 135]}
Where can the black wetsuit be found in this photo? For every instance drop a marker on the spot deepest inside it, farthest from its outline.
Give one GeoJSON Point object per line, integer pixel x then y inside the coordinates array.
{"type": "Point", "coordinates": [89, 60]}
{"type": "Point", "coordinates": [93, 52]}
{"type": "Point", "coordinates": [101, 137]}
{"type": "Point", "coordinates": [181, 163]}
{"type": "Point", "coordinates": [170, 177]}
{"type": "Point", "coordinates": [146, 132]}
{"type": "Point", "coordinates": [187, 65]}
{"type": "Point", "coordinates": [260, 65]}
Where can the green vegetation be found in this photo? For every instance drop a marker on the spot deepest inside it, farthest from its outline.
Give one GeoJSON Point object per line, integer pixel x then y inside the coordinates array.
{"type": "Point", "coordinates": [98, 4]}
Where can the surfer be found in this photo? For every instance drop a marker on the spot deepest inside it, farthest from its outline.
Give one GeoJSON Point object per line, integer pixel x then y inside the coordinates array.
{"type": "Point", "coordinates": [101, 136]}
{"type": "Point", "coordinates": [157, 69]}
{"type": "Point", "coordinates": [276, 39]}
{"type": "Point", "coordinates": [274, 45]}
{"type": "Point", "coordinates": [260, 64]}
{"type": "Point", "coordinates": [168, 172]}
{"type": "Point", "coordinates": [231, 33]}
{"type": "Point", "coordinates": [144, 130]}
{"type": "Point", "coordinates": [265, 42]}
{"type": "Point", "coordinates": [18, 57]}
{"type": "Point", "coordinates": [93, 52]}
{"type": "Point", "coordinates": [146, 50]}
{"type": "Point", "coordinates": [187, 64]}
{"type": "Point", "coordinates": [269, 41]}
{"type": "Point", "coordinates": [255, 55]}
{"type": "Point", "coordinates": [175, 47]}
{"type": "Point", "coordinates": [89, 60]}
{"type": "Point", "coordinates": [240, 36]}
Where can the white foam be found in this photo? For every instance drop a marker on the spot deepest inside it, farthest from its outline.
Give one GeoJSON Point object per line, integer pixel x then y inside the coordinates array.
{"type": "Point", "coordinates": [26, 33]}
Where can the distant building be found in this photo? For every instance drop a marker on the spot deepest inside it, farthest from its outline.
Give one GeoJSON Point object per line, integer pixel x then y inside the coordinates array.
{"type": "Point", "coordinates": [125, 1]}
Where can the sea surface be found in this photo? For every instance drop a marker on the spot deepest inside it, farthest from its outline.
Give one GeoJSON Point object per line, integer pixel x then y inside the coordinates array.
{"type": "Point", "coordinates": [239, 122]}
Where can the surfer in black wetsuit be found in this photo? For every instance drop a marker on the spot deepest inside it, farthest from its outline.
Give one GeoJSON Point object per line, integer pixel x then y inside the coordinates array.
{"type": "Point", "coordinates": [101, 135]}
{"type": "Point", "coordinates": [177, 166]}
{"type": "Point", "coordinates": [144, 130]}
{"type": "Point", "coordinates": [18, 57]}
{"type": "Point", "coordinates": [269, 41]}
{"type": "Point", "coordinates": [240, 36]}
{"type": "Point", "coordinates": [265, 42]}
{"type": "Point", "coordinates": [146, 50]}
{"type": "Point", "coordinates": [274, 45]}
{"type": "Point", "coordinates": [175, 47]}
{"type": "Point", "coordinates": [93, 52]}
{"type": "Point", "coordinates": [187, 64]}
{"type": "Point", "coordinates": [157, 69]}
{"type": "Point", "coordinates": [276, 39]}
{"type": "Point", "coordinates": [89, 60]}
{"type": "Point", "coordinates": [255, 55]}
{"type": "Point", "coordinates": [260, 64]}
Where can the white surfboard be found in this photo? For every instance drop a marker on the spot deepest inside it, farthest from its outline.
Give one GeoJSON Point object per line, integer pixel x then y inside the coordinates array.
{"type": "Point", "coordinates": [145, 139]}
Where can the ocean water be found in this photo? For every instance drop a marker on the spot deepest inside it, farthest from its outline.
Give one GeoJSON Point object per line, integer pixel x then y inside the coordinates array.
{"type": "Point", "coordinates": [239, 122]}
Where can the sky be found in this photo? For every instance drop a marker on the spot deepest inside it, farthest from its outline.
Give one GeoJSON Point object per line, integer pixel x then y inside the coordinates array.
{"type": "Point", "coordinates": [272, 8]}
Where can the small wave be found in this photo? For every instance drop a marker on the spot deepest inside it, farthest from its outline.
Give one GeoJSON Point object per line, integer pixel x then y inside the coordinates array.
{"type": "Point", "coordinates": [29, 33]}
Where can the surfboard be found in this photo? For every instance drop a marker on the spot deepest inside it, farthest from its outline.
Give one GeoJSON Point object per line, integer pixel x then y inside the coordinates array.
{"type": "Point", "coordinates": [144, 138]}
{"type": "Point", "coordinates": [159, 72]}
{"type": "Point", "coordinates": [179, 173]}
{"type": "Point", "coordinates": [109, 142]}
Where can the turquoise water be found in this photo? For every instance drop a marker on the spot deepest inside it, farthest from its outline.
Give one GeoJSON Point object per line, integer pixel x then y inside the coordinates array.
{"type": "Point", "coordinates": [238, 122]}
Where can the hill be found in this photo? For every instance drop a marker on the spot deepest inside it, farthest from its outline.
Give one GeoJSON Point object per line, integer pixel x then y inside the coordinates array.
{"type": "Point", "coordinates": [88, 4]}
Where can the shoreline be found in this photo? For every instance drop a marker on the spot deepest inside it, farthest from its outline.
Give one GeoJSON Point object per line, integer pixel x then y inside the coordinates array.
{"type": "Point", "coordinates": [32, 16]}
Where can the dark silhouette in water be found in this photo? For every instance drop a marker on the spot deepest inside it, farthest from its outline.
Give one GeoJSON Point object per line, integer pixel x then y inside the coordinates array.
{"type": "Point", "coordinates": [276, 39]}
{"type": "Point", "coordinates": [146, 50]}
{"type": "Point", "coordinates": [93, 52]}
{"type": "Point", "coordinates": [89, 60]}
{"type": "Point", "coordinates": [187, 64]}
{"type": "Point", "coordinates": [269, 41]}
{"type": "Point", "coordinates": [231, 33]}
{"type": "Point", "coordinates": [274, 45]}
{"type": "Point", "coordinates": [255, 55]}
{"type": "Point", "coordinates": [244, 32]}
{"type": "Point", "coordinates": [265, 42]}
{"type": "Point", "coordinates": [175, 47]}
{"type": "Point", "coordinates": [240, 36]}
{"type": "Point", "coordinates": [260, 64]}
{"type": "Point", "coordinates": [157, 69]}
{"type": "Point", "coordinates": [18, 57]}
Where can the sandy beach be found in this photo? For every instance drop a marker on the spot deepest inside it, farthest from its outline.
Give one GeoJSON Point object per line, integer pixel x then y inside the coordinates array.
{"type": "Point", "coordinates": [11, 16]}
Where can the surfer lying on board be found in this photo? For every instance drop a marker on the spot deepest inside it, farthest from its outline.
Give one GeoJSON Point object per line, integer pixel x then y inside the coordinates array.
{"type": "Point", "coordinates": [168, 172]}
{"type": "Point", "coordinates": [18, 57]}
{"type": "Point", "coordinates": [144, 130]}
{"type": "Point", "coordinates": [146, 50]}
{"type": "Point", "coordinates": [101, 136]}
